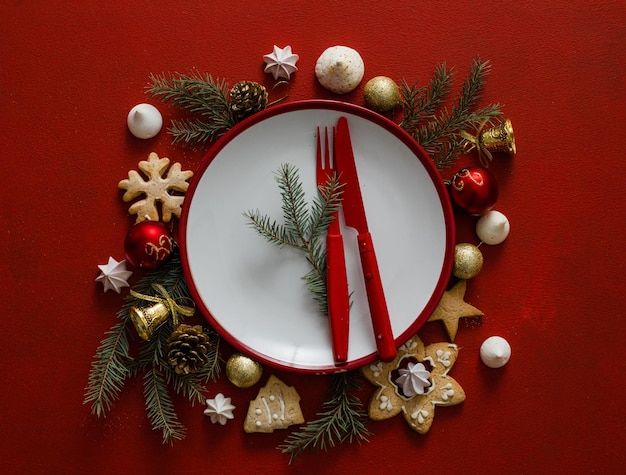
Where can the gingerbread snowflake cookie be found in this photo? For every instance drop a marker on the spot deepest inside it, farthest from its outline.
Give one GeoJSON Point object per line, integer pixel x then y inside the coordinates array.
{"type": "Point", "coordinates": [166, 191]}
{"type": "Point", "coordinates": [414, 383]}
{"type": "Point", "coordinates": [277, 406]}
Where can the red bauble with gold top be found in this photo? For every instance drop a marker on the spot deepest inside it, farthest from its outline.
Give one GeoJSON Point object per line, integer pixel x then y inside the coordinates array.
{"type": "Point", "coordinates": [474, 190]}
{"type": "Point", "coordinates": [148, 245]}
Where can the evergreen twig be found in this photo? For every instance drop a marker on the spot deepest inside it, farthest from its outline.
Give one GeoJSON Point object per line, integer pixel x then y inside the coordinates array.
{"type": "Point", "coordinates": [160, 407]}
{"type": "Point", "coordinates": [435, 127]}
{"type": "Point", "coordinates": [343, 419]}
{"type": "Point", "coordinates": [302, 227]}
{"type": "Point", "coordinates": [109, 370]}
{"type": "Point", "coordinates": [199, 94]}
{"type": "Point", "coordinates": [113, 363]}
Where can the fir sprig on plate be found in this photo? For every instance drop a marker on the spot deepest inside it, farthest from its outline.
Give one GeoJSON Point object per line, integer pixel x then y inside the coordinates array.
{"type": "Point", "coordinates": [436, 127]}
{"type": "Point", "coordinates": [303, 226]}
{"type": "Point", "coordinates": [343, 419]}
{"type": "Point", "coordinates": [200, 94]}
{"type": "Point", "coordinates": [113, 362]}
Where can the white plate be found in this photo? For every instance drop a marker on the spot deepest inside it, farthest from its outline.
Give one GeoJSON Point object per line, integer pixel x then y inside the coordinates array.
{"type": "Point", "coordinates": [252, 292]}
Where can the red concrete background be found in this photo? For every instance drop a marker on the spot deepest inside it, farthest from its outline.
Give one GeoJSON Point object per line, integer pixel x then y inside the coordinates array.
{"type": "Point", "coordinates": [72, 70]}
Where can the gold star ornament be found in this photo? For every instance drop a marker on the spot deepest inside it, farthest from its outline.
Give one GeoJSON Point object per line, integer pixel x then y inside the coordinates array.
{"type": "Point", "coordinates": [451, 307]}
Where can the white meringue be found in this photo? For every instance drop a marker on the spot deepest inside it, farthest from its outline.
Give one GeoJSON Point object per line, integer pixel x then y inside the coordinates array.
{"type": "Point", "coordinates": [340, 69]}
{"type": "Point", "coordinates": [219, 409]}
{"type": "Point", "coordinates": [144, 121]}
{"type": "Point", "coordinates": [495, 352]}
{"type": "Point", "coordinates": [114, 275]}
{"type": "Point", "coordinates": [413, 379]}
{"type": "Point", "coordinates": [281, 62]}
{"type": "Point", "coordinates": [493, 227]}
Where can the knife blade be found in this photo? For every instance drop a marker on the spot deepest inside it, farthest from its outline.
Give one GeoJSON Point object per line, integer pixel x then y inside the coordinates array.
{"type": "Point", "coordinates": [354, 214]}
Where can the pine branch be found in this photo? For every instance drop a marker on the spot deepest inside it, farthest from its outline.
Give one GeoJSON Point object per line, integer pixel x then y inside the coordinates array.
{"type": "Point", "coordinates": [160, 407]}
{"type": "Point", "coordinates": [109, 370]}
{"type": "Point", "coordinates": [302, 229]}
{"type": "Point", "coordinates": [195, 131]}
{"type": "Point", "coordinates": [422, 103]}
{"type": "Point", "coordinates": [315, 279]}
{"type": "Point", "coordinates": [269, 229]}
{"type": "Point", "coordinates": [295, 213]}
{"type": "Point", "coordinates": [153, 359]}
{"type": "Point", "coordinates": [435, 127]}
{"type": "Point", "coordinates": [113, 363]}
{"type": "Point", "coordinates": [344, 420]}
{"type": "Point", "coordinates": [323, 207]}
{"type": "Point", "coordinates": [198, 94]}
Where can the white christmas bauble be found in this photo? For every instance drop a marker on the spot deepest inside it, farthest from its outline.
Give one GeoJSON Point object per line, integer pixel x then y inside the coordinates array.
{"type": "Point", "coordinates": [144, 121]}
{"type": "Point", "coordinates": [495, 352]}
{"type": "Point", "coordinates": [339, 69]}
{"type": "Point", "coordinates": [492, 227]}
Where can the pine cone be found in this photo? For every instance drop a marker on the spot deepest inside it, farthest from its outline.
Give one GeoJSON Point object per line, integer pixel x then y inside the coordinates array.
{"type": "Point", "coordinates": [247, 97]}
{"type": "Point", "coordinates": [187, 349]}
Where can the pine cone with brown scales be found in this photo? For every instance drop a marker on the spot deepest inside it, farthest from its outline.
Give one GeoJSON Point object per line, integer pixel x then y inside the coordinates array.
{"type": "Point", "coordinates": [247, 97]}
{"type": "Point", "coordinates": [187, 349]}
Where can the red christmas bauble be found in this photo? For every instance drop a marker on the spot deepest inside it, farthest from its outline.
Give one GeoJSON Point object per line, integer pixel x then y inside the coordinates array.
{"type": "Point", "coordinates": [148, 244]}
{"type": "Point", "coordinates": [474, 190]}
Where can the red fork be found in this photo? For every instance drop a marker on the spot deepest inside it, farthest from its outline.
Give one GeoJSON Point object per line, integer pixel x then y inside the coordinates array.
{"type": "Point", "coordinates": [336, 275]}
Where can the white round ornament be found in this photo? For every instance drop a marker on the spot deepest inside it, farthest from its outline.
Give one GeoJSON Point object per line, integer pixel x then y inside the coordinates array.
{"type": "Point", "coordinates": [493, 227]}
{"type": "Point", "coordinates": [144, 121]}
{"type": "Point", "coordinates": [495, 352]}
{"type": "Point", "coordinates": [339, 69]}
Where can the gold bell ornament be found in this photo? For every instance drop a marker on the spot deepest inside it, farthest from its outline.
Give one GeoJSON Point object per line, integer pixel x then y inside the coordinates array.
{"type": "Point", "coordinates": [147, 319]}
{"type": "Point", "coordinates": [498, 139]}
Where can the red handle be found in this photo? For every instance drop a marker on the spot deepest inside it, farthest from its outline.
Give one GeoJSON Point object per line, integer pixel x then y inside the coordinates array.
{"type": "Point", "coordinates": [376, 299]}
{"type": "Point", "coordinates": [338, 298]}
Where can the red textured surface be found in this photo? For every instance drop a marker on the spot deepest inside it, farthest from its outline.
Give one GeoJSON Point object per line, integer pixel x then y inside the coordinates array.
{"type": "Point", "coordinates": [71, 71]}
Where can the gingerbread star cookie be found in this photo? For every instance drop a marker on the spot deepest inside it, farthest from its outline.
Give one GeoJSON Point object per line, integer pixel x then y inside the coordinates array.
{"type": "Point", "coordinates": [451, 307]}
{"type": "Point", "coordinates": [414, 383]}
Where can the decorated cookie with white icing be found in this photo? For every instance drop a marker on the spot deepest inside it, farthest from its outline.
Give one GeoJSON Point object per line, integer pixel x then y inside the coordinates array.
{"type": "Point", "coordinates": [277, 406]}
{"type": "Point", "coordinates": [414, 383]}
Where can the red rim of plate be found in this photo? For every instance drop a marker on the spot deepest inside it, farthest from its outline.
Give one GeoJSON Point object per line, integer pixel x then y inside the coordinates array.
{"type": "Point", "coordinates": [378, 119]}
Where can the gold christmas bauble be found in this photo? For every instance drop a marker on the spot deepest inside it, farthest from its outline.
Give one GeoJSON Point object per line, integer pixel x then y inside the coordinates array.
{"type": "Point", "coordinates": [242, 371]}
{"type": "Point", "coordinates": [381, 94]}
{"type": "Point", "coordinates": [468, 261]}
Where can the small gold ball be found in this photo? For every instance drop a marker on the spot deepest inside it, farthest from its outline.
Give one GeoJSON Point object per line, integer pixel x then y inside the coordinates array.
{"type": "Point", "coordinates": [381, 94]}
{"type": "Point", "coordinates": [468, 261]}
{"type": "Point", "coordinates": [242, 371]}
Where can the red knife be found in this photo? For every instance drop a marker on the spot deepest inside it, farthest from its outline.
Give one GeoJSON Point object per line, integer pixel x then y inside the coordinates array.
{"type": "Point", "coordinates": [354, 214]}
